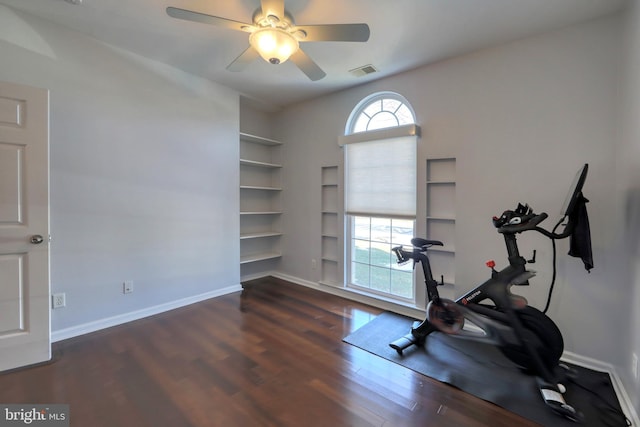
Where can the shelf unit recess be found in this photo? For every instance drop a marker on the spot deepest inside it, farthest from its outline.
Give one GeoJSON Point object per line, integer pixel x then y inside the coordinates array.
{"type": "Point", "coordinates": [260, 200]}
{"type": "Point", "coordinates": [330, 226]}
{"type": "Point", "coordinates": [441, 215]}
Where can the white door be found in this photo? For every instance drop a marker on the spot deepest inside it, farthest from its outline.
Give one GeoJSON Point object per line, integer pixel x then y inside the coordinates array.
{"type": "Point", "coordinates": [24, 226]}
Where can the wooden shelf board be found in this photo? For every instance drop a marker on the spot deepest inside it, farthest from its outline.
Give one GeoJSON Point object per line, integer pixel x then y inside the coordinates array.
{"type": "Point", "coordinates": [259, 257]}
{"type": "Point", "coordinates": [255, 187]}
{"type": "Point", "coordinates": [258, 139]}
{"type": "Point", "coordinates": [261, 213]}
{"type": "Point", "coordinates": [260, 235]}
{"type": "Point", "coordinates": [248, 162]}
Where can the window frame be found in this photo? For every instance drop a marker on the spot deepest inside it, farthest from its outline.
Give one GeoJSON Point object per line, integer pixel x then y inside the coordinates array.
{"type": "Point", "coordinates": [405, 126]}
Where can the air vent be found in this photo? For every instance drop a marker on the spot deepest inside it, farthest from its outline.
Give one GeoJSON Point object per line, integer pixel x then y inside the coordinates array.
{"type": "Point", "coordinates": [364, 70]}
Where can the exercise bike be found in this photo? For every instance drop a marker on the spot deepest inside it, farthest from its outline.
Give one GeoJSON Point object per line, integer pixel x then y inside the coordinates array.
{"type": "Point", "coordinates": [522, 333]}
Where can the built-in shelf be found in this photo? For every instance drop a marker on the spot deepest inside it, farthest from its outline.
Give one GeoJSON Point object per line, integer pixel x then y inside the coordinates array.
{"type": "Point", "coordinates": [255, 187]}
{"type": "Point", "coordinates": [258, 139]}
{"type": "Point", "coordinates": [259, 235]}
{"type": "Point", "coordinates": [330, 226]}
{"type": "Point", "coordinates": [245, 259]}
{"type": "Point", "coordinates": [441, 215]}
{"type": "Point", "coordinates": [246, 162]}
{"type": "Point", "coordinates": [260, 202]}
{"type": "Point", "coordinates": [261, 213]}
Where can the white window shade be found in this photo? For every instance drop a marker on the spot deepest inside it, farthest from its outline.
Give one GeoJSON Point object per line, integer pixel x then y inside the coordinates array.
{"type": "Point", "coordinates": [381, 177]}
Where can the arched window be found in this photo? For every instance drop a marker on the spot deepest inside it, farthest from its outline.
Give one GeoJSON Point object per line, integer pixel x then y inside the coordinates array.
{"type": "Point", "coordinates": [380, 193]}
{"type": "Point", "coordinates": [378, 111]}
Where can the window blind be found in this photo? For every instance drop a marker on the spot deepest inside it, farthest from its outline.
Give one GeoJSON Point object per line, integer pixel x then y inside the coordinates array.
{"type": "Point", "coordinates": [381, 177]}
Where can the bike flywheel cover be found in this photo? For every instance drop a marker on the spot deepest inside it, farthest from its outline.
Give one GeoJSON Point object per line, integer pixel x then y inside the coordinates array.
{"type": "Point", "coordinates": [445, 315]}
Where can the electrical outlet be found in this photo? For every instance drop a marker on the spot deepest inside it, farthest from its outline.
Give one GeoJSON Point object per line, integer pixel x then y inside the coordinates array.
{"type": "Point", "coordinates": [58, 300]}
{"type": "Point", "coordinates": [634, 366]}
{"type": "Point", "coordinates": [127, 286]}
{"type": "Point", "coordinates": [314, 264]}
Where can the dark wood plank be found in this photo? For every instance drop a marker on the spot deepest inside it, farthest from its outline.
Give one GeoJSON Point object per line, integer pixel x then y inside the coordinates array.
{"type": "Point", "coordinates": [271, 355]}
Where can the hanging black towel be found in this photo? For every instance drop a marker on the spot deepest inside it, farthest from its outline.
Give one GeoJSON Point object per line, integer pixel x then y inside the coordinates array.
{"type": "Point", "coordinates": [580, 242]}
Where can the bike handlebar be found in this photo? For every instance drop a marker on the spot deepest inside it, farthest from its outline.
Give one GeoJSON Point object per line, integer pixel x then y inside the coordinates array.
{"type": "Point", "coordinates": [419, 245]}
{"type": "Point", "coordinates": [532, 224]}
{"type": "Point", "coordinates": [529, 224]}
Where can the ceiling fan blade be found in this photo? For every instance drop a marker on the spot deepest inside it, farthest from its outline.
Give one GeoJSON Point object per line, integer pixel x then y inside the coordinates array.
{"type": "Point", "coordinates": [335, 32]}
{"type": "Point", "coordinates": [189, 15]}
{"type": "Point", "coordinates": [307, 65]}
{"type": "Point", "coordinates": [272, 7]}
{"type": "Point", "coordinates": [244, 59]}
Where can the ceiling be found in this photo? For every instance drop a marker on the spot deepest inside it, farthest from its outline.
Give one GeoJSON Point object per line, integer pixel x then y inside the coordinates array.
{"type": "Point", "coordinates": [405, 34]}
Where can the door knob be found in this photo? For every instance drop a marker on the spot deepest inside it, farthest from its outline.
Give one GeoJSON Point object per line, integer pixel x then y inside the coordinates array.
{"type": "Point", "coordinates": [36, 239]}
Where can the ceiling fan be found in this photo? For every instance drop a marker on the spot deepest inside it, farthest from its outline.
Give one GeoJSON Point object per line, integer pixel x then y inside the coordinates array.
{"type": "Point", "coordinates": [275, 37]}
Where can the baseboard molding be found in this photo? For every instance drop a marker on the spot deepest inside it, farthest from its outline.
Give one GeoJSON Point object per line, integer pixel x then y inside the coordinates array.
{"type": "Point", "coordinates": [576, 359]}
{"type": "Point", "coordinates": [354, 296]}
{"type": "Point", "coordinates": [626, 402]}
{"type": "Point", "coordinates": [257, 276]}
{"type": "Point", "coordinates": [108, 322]}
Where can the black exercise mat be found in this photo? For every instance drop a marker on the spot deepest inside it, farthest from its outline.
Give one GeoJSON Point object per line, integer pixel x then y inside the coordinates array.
{"type": "Point", "coordinates": [481, 370]}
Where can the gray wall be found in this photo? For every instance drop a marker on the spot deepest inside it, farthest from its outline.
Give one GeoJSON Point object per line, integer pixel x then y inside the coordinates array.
{"type": "Point", "coordinates": [144, 176]}
{"type": "Point", "coordinates": [521, 119]}
{"type": "Point", "coordinates": [628, 175]}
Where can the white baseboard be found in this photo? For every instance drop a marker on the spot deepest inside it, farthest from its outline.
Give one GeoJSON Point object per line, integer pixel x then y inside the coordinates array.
{"type": "Point", "coordinates": [119, 319]}
{"type": "Point", "coordinates": [355, 296]}
{"type": "Point", "coordinates": [257, 276]}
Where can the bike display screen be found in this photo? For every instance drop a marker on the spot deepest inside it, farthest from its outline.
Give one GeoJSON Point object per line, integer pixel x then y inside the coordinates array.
{"type": "Point", "coordinates": [575, 190]}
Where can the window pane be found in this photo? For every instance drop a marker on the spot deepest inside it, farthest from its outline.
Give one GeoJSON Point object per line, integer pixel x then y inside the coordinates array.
{"type": "Point", "coordinates": [360, 250]}
{"type": "Point", "coordinates": [404, 115]}
{"type": "Point", "coordinates": [381, 279]}
{"type": "Point", "coordinates": [381, 254]}
{"type": "Point", "coordinates": [361, 124]}
{"type": "Point", "coordinates": [391, 105]}
{"type": "Point", "coordinates": [402, 232]}
{"type": "Point", "coordinates": [381, 230]}
{"type": "Point", "coordinates": [402, 283]}
{"type": "Point", "coordinates": [361, 227]}
{"type": "Point", "coordinates": [373, 265]}
{"type": "Point", "coordinates": [373, 108]}
{"type": "Point", "coordinates": [360, 274]}
{"type": "Point", "coordinates": [383, 120]}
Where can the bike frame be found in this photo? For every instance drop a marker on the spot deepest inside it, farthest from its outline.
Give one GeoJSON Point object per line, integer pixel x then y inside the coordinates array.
{"type": "Point", "coordinates": [498, 324]}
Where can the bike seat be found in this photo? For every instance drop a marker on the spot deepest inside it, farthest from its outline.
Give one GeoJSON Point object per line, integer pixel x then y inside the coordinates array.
{"type": "Point", "coordinates": [421, 243]}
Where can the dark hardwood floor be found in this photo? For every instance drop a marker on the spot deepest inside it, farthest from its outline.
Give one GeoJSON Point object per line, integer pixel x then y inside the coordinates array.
{"type": "Point", "coordinates": [270, 356]}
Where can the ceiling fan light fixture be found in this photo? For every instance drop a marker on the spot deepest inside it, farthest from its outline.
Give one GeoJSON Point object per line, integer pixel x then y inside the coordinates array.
{"type": "Point", "coordinates": [274, 44]}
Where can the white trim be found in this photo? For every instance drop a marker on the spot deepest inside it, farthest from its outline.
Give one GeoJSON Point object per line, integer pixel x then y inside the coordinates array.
{"type": "Point", "coordinates": [352, 295]}
{"type": "Point", "coordinates": [379, 134]}
{"type": "Point", "coordinates": [259, 275]}
{"type": "Point", "coordinates": [119, 319]}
